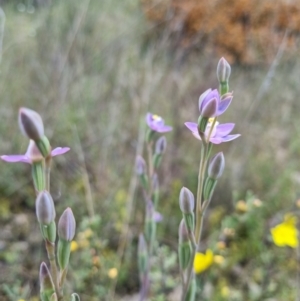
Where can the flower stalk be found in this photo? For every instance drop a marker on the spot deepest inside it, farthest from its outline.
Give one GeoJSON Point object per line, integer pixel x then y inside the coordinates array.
{"type": "Point", "coordinates": [212, 104]}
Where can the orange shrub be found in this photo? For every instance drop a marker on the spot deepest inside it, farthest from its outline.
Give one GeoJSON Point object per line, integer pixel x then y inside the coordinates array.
{"type": "Point", "coordinates": [245, 31]}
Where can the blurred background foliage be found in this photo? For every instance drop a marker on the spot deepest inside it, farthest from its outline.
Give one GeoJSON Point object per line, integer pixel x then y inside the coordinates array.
{"type": "Point", "coordinates": [93, 69]}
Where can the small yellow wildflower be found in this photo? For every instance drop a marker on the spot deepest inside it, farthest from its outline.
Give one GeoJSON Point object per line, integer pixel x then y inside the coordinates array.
{"type": "Point", "coordinates": [88, 233]}
{"type": "Point", "coordinates": [225, 291]}
{"type": "Point", "coordinates": [74, 246]}
{"type": "Point", "coordinates": [21, 299]}
{"type": "Point", "coordinates": [286, 234]}
{"type": "Point", "coordinates": [219, 259]}
{"type": "Point", "coordinates": [112, 273]}
{"type": "Point", "coordinates": [241, 206]}
{"type": "Point", "coordinates": [203, 261]}
{"type": "Point", "coordinates": [221, 245]}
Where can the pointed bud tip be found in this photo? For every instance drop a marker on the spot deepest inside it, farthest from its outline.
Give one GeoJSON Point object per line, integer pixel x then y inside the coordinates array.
{"type": "Point", "coordinates": [67, 225]}
{"type": "Point", "coordinates": [223, 70]}
{"type": "Point", "coordinates": [31, 124]}
{"type": "Point", "coordinates": [216, 166]}
{"type": "Point", "coordinates": [45, 209]}
{"type": "Point", "coordinates": [186, 200]}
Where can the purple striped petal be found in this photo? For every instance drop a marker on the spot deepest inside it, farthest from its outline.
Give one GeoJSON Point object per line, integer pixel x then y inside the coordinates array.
{"type": "Point", "coordinates": [59, 151]}
{"type": "Point", "coordinates": [164, 129]}
{"type": "Point", "coordinates": [223, 105]}
{"type": "Point", "coordinates": [219, 140]}
{"type": "Point", "coordinates": [224, 129]}
{"type": "Point", "coordinates": [192, 126]}
{"type": "Point", "coordinates": [15, 158]}
{"type": "Point", "coordinates": [207, 95]}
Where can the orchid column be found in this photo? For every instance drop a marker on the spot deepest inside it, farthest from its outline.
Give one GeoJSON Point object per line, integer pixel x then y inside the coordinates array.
{"type": "Point", "coordinates": [150, 184]}
{"type": "Point", "coordinates": [212, 104]}
{"type": "Point", "coordinates": [39, 155]}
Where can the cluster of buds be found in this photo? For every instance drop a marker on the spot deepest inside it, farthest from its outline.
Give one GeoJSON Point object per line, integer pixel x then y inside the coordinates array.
{"type": "Point", "coordinates": [150, 184]}
{"type": "Point", "coordinates": [39, 155]}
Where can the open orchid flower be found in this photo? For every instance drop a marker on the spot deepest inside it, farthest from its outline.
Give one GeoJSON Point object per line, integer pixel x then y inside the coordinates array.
{"type": "Point", "coordinates": [217, 135]}
{"type": "Point", "coordinates": [157, 124]}
{"type": "Point", "coordinates": [33, 154]}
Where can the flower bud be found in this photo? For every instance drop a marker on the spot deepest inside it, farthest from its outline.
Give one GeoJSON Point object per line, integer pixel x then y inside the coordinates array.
{"type": "Point", "coordinates": [31, 124]}
{"type": "Point", "coordinates": [184, 246]}
{"type": "Point", "coordinates": [223, 71]}
{"type": "Point", "coordinates": [46, 283]}
{"type": "Point", "coordinates": [183, 233]}
{"type": "Point", "coordinates": [140, 166]}
{"type": "Point", "coordinates": [67, 225]}
{"type": "Point", "coordinates": [186, 200]}
{"type": "Point", "coordinates": [216, 166]}
{"type": "Point", "coordinates": [210, 108]}
{"type": "Point", "coordinates": [160, 145]}
{"type": "Point", "coordinates": [45, 210]}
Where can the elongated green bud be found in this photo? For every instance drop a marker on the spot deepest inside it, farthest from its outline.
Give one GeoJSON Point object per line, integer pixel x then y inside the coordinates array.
{"type": "Point", "coordinates": [141, 171]}
{"type": "Point", "coordinates": [67, 225]}
{"type": "Point", "coordinates": [63, 253]}
{"type": "Point", "coordinates": [142, 255]}
{"type": "Point", "coordinates": [202, 123]}
{"type": "Point", "coordinates": [75, 297]}
{"type": "Point", "coordinates": [45, 210]}
{"type": "Point", "coordinates": [44, 147]}
{"type": "Point", "coordinates": [38, 175]}
{"type": "Point", "coordinates": [46, 283]}
{"type": "Point", "coordinates": [216, 166]}
{"type": "Point", "coordinates": [223, 74]}
{"type": "Point", "coordinates": [66, 233]}
{"type": "Point", "coordinates": [49, 232]}
{"type": "Point", "coordinates": [186, 200]}
{"type": "Point", "coordinates": [184, 246]}
{"type": "Point", "coordinates": [209, 187]}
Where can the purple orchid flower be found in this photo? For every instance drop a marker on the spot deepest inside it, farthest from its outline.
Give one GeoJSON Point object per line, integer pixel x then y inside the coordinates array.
{"type": "Point", "coordinates": [33, 154]}
{"type": "Point", "coordinates": [211, 101]}
{"type": "Point", "coordinates": [219, 134]}
{"type": "Point", "coordinates": [157, 124]}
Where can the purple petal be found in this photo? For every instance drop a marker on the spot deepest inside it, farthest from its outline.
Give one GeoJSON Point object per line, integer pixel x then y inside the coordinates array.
{"type": "Point", "coordinates": [164, 129]}
{"type": "Point", "coordinates": [201, 99]}
{"type": "Point", "coordinates": [223, 105]}
{"type": "Point", "coordinates": [149, 119]}
{"type": "Point", "coordinates": [15, 158]}
{"type": "Point", "coordinates": [219, 140]}
{"type": "Point", "coordinates": [211, 94]}
{"type": "Point", "coordinates": [157, 217]}
{"type": "Point", "coordinates": [192, 126]}
{"type": "Point", "coordinates": [59, 151]}
{"type": "Point", "coordinates": [224, 129]}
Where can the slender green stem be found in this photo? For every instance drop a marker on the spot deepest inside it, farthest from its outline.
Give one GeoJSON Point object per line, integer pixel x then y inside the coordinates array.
{"type": "Point", "coordinates": [50, 247]}
{"type": "Point", "coordinates": [201, 175]}
{"type": "Point", "coordinates": [63, 276]}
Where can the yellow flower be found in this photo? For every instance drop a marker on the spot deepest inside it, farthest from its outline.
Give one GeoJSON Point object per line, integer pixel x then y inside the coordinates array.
{"type": "Point", "coordinates": [112, 273]}
{"type": "Point", "coordinates": [74, 246]}
{"type": "Point", "coordinates": [286, 234]}
{"type": "Point", "coordinates": [219, 259]}
{"type": "Point", "coordinates": [203, 261]}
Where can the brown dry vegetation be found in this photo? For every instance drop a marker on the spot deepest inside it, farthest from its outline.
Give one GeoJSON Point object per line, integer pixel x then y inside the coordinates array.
{"type": "Point", "coordinates": [245, 31]}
